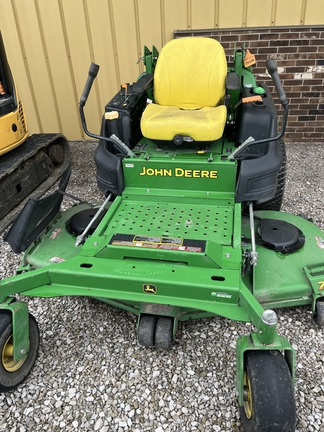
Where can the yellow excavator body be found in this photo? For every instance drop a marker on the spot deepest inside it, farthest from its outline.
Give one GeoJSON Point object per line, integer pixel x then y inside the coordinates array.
{"type": "Point", "coordinates": [29, 165]}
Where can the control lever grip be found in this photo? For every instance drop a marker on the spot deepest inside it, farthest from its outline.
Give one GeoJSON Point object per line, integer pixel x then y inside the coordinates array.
{"type": "Point", "coordinates": [273, 71]}
{"type": "Point", "coordinates": [93, 72]}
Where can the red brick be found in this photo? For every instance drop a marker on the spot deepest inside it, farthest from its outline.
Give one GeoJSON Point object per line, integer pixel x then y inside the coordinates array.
{"type": "Point", "coordinates": [318, 112]}
{"type": "Point", "coordinates": [311, 35]}
{"type": "Point", "coordinates": [269, 36]}
{"type": "Point", "coordinates": [294, 124]}
{"type": "Point", "coordinates": [296, 88]}
{"type": "Point", "coordinates": [250, 37]}
{"type": "Point", "coordinates": [319, 42]}
{"type": "Point", "coordinates": [296, 96]}
{"type": "Point", "coordinates": [319, 88]}
{"type": "Point", "coordinates": [292, 82]}
{"type": "Point", "coordinates": [287, 49]}
{"type": "Point", "coordinates": [258, 44]}
{"type": "Point", "coordinates": [308, 106]}
{"type": "Point", "coordinates": [299, 42]}
{"type": "Point", "coordinates": [269, 50]}
{"type": "Point", "coordinates": [287, 35]}
{"type": "Point", "coordinates": [307, 49]}
{"type": "Point", "coordinates": [298, 112]}
{"type": "Point", "coordinates": [297, 69]}
{"type": "Point", "coordinates": [314, 82]}
{"type": "Point", "coordinates": [313, 135]}
{"type": "Point", "coordinates": [229, 38]}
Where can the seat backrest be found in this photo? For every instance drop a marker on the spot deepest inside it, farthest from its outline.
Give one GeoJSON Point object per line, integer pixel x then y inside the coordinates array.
{"type": "Point", "coordinates": [190, 73]}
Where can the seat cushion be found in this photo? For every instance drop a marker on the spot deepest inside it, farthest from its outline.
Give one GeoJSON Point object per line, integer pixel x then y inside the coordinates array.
{"type": "Point", "coordinates": [190, 73]}
{"type": "Point", "coordinates": [164, 122]}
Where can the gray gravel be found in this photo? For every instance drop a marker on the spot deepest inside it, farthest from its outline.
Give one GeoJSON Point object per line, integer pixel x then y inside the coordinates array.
{"type": "Point", "coordinates": [92, 376]}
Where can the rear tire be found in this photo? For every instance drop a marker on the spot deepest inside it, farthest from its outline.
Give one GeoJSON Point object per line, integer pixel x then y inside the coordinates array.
{"type": "Point", "coordinates": [13, 373]}
{"type": "Point", "coordinates": [269, 404]}
{"type": "Point", "coordinates": [276, 202]}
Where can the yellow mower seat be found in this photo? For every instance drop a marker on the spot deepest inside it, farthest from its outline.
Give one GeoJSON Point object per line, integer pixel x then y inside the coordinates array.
{"type": "Point", "coordinates": [189, 89]}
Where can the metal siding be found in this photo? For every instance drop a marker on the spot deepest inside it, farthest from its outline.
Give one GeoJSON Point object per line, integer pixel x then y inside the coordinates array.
{"type": "Point", "coordinates": [203, 14]}
{"type": "Point", "coordinates": [61, 71]}
{"type": "Point", "coordinates": [314, 12]}
{"type": "Point", "coordinates": [288, 12]}
{"type": "Point", "coordinates": [150, 23]}
{"type": "Point", "coordinates": [126, 37]}
{"type": "Point", "coordinates": [104, 49]}
{"type": "Point", "coordinates": [175, 17]}
{"type": "Point", "coordinates": [258, 13]}
{"type": "Point", "coordinates": [231, 13]}
{"type": "Point", "coordinates": [50, 45]}
{"type": "Point", "coordinates": [35, 51]}
{"type": "Point", "coordinates": [78, 42]}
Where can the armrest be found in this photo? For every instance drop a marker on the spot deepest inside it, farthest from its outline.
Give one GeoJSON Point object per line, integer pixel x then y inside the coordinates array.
{"type": "Point", "coordinates": [143, 83]}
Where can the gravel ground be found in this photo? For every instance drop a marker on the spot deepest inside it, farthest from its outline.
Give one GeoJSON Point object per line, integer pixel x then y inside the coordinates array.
{"type": "Point", "coordinates": [92, 376]}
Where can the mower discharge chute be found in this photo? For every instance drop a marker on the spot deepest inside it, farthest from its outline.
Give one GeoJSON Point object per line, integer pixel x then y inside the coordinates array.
{"type": "Point", "coordinates": [190, 227]}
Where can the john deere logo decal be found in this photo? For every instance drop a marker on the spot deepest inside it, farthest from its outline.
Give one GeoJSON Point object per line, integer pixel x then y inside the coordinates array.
{"type": "Point", "coordinates": [149, 289]}
{"type": "Point", "coordinates": [178, 172]}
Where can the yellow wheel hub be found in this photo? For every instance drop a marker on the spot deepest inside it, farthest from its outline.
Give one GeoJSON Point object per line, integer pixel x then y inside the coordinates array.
{"type": "Point", "coordinates": [248, 406]}
{"type": "Point", "coordinates": [7, 359]}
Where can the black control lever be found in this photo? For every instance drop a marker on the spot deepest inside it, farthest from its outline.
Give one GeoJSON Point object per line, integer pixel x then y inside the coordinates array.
{"type": "Point", "coordinates": [273, 71]}
{"type": "Point", "coordinates": [117, 143]}
{"type": "Point", "coordinates": [93, 72]}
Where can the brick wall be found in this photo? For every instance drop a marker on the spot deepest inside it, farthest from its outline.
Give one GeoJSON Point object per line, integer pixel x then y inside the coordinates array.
{"type": "Point", "coordinates": [299, 53]}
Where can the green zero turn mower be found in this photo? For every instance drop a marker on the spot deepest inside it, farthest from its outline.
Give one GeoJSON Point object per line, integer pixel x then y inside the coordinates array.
{"type": "Point", "coordinates": [193, 169]}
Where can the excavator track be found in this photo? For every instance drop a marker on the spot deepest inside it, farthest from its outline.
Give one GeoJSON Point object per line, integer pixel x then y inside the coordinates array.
{"type": "Point", "coordinates": [29, 171]}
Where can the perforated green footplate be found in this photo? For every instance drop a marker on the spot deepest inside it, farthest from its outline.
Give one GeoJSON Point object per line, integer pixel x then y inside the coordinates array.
{"type": "Point", "coordinates": [160, 219]}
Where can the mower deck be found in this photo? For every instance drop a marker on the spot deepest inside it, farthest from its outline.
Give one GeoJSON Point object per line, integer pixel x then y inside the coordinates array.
{"type": "Point", "coordinates": [170, 253]}
{"type": "Point", "coordinates": [124, 262]}
{"type": "Point", "coordinates": [296, 276]}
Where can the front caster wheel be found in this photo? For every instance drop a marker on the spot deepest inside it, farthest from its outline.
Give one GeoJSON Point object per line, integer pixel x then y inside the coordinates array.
{"type": "Point", "coordinates": [146, 330]}
{"type": "Point", "coordinates": [164, 333]}
{"type": "Point", "coordinates": [12, 372]}
{"type": "Point", "coordinates": [155, 331]}
{"type": "Point", "coordinates": [269, 404]}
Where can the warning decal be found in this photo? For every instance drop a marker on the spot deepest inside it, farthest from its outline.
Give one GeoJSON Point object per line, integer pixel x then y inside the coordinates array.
{"type": "Point", "coordinates": [161, 243]}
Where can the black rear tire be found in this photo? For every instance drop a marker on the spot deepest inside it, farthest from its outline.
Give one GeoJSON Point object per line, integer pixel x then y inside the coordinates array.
{"type": "Point", "coordinates": [269, 395]}
{"type": "Point", "coordinates": [276, 202]}
{"type": "Point", "coordinates": [14, 373]}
